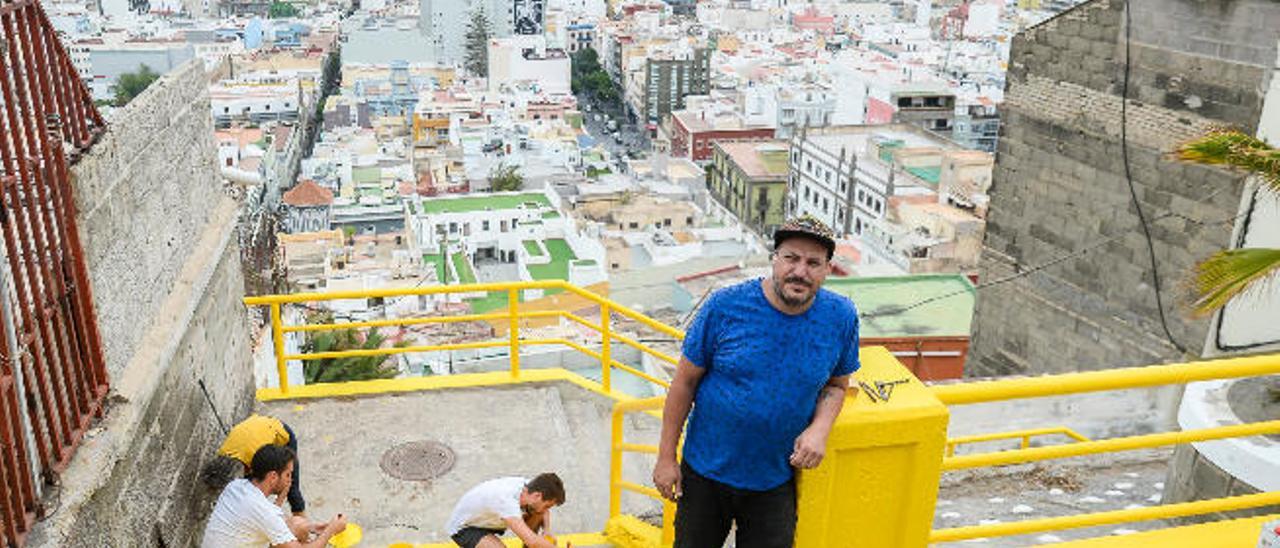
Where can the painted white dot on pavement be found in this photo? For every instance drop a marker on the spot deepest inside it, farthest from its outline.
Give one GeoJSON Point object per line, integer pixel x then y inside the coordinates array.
{"type": "Point", "coordinates": [1159, 485]}
{"type": "Point", "coordinates": [1130, 474]}
{"type": "Point", "coordinates": [1055, 491]}
{"type": "Point", "coordinates": [995, 500]}
{"type": "Point", "coordinates": [950, 515]}
{"type": "Point", "coordinates": [975, 540]}
{"type": "Point", "coordinates": [944, 502]}
{"type": "Point", "coordinates": [1123, 485]}
{"type": "Point", "coordinates": [988, 522]}
{"type": "Point", "coordinates": [1124, 531]}
{"type": "Point", "coordinates": [1091, 500]}
{"type": "Point", "coordinates": [1135, 506]}
{"type": "Point", "coordinates": [1022, 509]}
{"type": "Point", "coordinates": [1154, 498]}
{"type": "Point", "coordinates": [1046, 539]}
{"type": "Point", "coordinates": [1114, 493]}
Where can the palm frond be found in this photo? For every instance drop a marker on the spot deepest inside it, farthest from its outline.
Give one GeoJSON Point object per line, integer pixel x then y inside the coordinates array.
{"type": "Point", "coordinates": [1229, 273]}
{"type": "Point", "coordinates": [1235, 149]}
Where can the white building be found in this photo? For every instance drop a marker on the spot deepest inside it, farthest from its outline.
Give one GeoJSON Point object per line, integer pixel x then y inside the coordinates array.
{"type": "Point", "coordinates": [526, 59]}
{"type": "Point", "coordinates": [518, 235]}
{"type": "Point", "coordinates": [804, 106]}
{"type": "Point", "coordinates": [846, 175]}
{"type": "Point", "coordinates": [445, 23]}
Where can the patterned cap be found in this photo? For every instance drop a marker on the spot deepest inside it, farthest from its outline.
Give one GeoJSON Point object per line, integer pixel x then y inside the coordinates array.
{"type": "Point", "coordinates": [807, 226]}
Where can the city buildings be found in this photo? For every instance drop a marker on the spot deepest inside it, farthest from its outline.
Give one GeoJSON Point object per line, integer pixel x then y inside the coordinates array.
{"type": "Point", "coordinates": [750, 180]}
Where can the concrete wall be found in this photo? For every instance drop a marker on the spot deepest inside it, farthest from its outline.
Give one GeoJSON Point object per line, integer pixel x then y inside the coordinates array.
{"type": "Point", "coordinates": [167, 281]}
{"type": "Point", "coordinates": [1060, 188]}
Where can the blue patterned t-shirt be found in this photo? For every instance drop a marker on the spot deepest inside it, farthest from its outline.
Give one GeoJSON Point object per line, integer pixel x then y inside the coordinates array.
{"type": "Point", "coordinates": [764, 371]}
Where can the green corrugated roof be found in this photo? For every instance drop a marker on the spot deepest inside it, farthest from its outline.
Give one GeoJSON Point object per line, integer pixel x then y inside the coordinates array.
{"type": "Point", "coordinates": [886, 149]}
{"type": "Point", "coordinates": [930, 174]}
{"type": "Point", "coordinates": [480, 202]}
{"type": "Point", "coordinates": [878, 298]}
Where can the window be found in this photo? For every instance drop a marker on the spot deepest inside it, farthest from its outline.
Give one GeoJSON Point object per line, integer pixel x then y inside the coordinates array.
{"type": "Point", "coordinates": [806, 193]}
{"type": "Point", "coordinates": [688, 220]}
{"type": "Point", "coordinates": [453, 228]}
{"type": "Point", "coordinates": [502, 226]}
{"type": "Point", "coordinates": [484, 225]}
{"type": "Point", "coordinates": [633, 225]}
{"type": "Point", "coordinates": [666, 222]}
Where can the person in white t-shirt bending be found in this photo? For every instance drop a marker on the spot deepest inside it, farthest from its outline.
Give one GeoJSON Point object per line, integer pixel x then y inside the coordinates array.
{"type": "Point", "coordinates": [489, 509]}
{"type": "Point", "coordinates": [249, 512]}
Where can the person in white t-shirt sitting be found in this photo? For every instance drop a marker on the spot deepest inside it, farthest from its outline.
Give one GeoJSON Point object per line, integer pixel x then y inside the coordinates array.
{"type": "Point", "coordinates": [489, 509]}
{"type": "Point", "coordinates": [250, 511]}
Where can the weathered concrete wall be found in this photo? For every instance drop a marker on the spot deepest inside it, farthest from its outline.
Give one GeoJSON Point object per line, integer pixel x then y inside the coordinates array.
{"type": "Point", "coordinates": [144, 194]}
{"type": "Point", "coordinates": [1060, 188]}
{"type": "Point", "coordinates": [167, 284]}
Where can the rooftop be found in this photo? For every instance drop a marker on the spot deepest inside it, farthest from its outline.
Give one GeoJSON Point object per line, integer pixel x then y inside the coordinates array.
{"type": "Point", "coordinates": [483, 202]}
{"type": "Point", "coordinates": [308, 194]}
{"type": "Point", "coordinates": [758, 160]}
{"type": "Point", "coordinates": [877, 300]}
{"type": "Point", "coordinates": [569, 434]}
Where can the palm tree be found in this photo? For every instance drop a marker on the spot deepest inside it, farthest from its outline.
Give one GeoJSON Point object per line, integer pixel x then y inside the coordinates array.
{"type": "Point", "coordinates": [357, 368]}
{"type": "Point", "coordinates": [1233, 272]}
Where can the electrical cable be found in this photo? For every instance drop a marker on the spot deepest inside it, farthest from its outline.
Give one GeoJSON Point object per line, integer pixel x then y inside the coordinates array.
{"type": "Point", "coordinates": [1128, 177]}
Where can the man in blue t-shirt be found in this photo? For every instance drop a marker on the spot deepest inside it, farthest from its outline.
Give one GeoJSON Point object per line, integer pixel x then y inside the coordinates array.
{"type": "Point", "coordinates": [765, 367]}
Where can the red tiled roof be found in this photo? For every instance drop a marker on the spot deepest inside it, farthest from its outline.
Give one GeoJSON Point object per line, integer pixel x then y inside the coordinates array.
{"type": "Point", "coordinates": [308, 194]}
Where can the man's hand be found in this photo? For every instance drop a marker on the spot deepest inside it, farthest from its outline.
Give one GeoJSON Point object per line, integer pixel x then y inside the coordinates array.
{"type": "Point", "coordinates": [283, 495]}
{"type": "Point", "coordinates": [810, 447]}
{"type": "Point", "coordinates": [336, 525]}
{"type": "Point", "coordinates": [666, 477]}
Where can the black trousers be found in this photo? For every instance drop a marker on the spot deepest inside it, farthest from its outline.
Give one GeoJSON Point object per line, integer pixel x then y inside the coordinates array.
{"type": "Point", "coordinates": [707, 509]}
{"type": "Point", "coordinates": [296, 502]}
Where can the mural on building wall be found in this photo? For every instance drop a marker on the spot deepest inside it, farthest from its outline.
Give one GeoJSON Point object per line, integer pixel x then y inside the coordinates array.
{"type": "Point", "coordinates": [528, 16]}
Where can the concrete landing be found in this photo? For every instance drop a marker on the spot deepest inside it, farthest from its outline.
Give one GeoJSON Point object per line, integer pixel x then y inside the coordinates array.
{"type": "Point", "coordinates": [513, 430]}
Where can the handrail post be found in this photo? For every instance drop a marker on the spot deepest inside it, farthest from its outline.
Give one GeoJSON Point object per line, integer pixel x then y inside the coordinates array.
{"type": "Point", "coordinates": [277, 336]}
{"type": "Point", "coordinates": [615, 465]}
{"type": "Point", "coordinates": [668, 523]}
{"type": "Point", "coordinates": [606, 350]}
{"type": "Point", "coordinates": [513, 310]}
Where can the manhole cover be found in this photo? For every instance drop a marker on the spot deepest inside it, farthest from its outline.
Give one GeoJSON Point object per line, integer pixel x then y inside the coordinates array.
{"type": "Point", "coordinates": [417, 460]}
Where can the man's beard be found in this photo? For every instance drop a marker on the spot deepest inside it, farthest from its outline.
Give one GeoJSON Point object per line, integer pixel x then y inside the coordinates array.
{"type": "Point", "coordinates": [789, 300]}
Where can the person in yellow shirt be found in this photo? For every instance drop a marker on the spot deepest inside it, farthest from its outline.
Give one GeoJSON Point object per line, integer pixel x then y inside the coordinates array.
{"type": "Point", "coordinates": [242, 442]}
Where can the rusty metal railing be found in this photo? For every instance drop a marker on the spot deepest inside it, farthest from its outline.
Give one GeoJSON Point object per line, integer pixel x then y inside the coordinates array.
{"type": "Point", "coordinates": [53, 383]}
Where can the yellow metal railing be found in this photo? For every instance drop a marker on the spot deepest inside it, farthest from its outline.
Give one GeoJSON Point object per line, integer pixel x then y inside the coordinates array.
{"type": "Point", "coordinates": [951, 395]}
{"type": "Point", "coordinates": [1024, 435]}
{"type": "Point", "coordinates": [617, 447]}
{"type": "Point", "coordinates": [513, 315]}
{"type": "Point", "coordinates": [1097, 381]}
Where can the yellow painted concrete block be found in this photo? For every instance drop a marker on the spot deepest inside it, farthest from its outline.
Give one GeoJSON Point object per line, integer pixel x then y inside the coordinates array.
{"type": "Point", "coordinates": [878, 483]}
